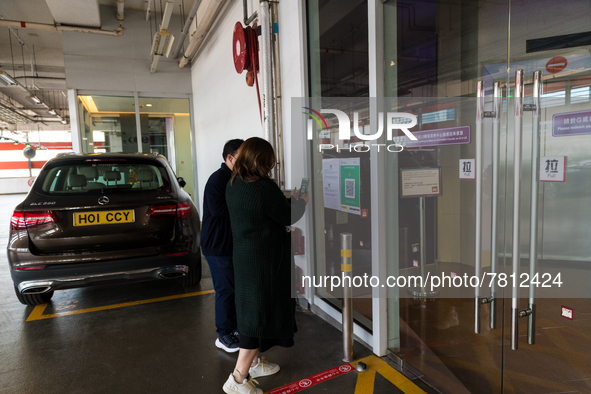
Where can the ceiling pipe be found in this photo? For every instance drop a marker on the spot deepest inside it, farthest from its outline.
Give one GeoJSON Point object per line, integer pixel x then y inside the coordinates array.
{"type": "Point", "coordinates": [18, 116]}
{"type": "Point", "coordinates": [279, 149]}
{"type": "Point", "coordinates": [120, 10]}
{"type": "Point", "coordinates": [267, 71]}
{"type": "Point", "coordinates": [24, 46]}
{"type": "Point", "coordinates": [37, 77]}
{"type": "Point", "coordinates": [22, 87]}
{"type": "Point", "coordinates": [148, 10]}
{"type": "Point", "coordinates": [191, 16]}
{"type": "Point", "coordinates": [56, 27]}
{"type": "Point", "coordinates": [199, 34]}
{"type": "Point", "coordinates": [248, 19]}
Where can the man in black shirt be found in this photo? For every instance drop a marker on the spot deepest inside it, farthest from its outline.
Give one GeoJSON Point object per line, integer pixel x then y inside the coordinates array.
{"type": "Point", "coordinates": [216, 243]}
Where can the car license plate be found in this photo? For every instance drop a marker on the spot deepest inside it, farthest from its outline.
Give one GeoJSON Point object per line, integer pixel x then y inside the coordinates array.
{"type": "Point", "coordinates": [104, 217]}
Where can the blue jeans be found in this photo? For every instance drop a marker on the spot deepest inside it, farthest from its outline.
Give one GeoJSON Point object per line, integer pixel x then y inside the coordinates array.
{"type": "Point", "coordinates": [222, 273]}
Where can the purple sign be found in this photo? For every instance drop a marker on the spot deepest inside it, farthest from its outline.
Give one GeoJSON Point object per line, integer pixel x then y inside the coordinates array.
{"type": "Point", "coordinates": [571, 123]}
{"type": "Point", "coordinates": [450, 136]}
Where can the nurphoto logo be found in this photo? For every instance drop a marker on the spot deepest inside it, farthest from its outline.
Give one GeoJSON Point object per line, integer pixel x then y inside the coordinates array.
{"type": "Point", "coordinates": [394, 121]}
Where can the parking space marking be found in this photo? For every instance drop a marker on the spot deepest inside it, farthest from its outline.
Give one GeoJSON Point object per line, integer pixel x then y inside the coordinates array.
{"type": "Point", "coordinates": [37, 313]}
{"type": "Point", "coordinates": [366, 379]}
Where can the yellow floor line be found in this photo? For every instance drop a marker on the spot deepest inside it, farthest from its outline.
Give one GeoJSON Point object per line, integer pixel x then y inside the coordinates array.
{"type": "Point", "coordinates": [366, 379]}
{"type": "Point", "coordinates": [37, 313]}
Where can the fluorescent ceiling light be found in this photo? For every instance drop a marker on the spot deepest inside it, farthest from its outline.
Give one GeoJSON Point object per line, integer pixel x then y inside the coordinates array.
{"type": "Point", "coordinates": [6, 79]}
{"type": "Point", "coordinates": [52, 111]}
{"type": "Point", "coordinates": [162, 43]}
{"type": "Point", "coordinates": [148, 105]}
{"type": "Point", "coordinates": [89, 104]}
{"type": "Point", "coordinates": [34, 99]}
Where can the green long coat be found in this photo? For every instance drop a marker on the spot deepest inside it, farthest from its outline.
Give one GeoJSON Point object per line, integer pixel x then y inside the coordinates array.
{"type": "Point", "coordinates": [263, 262]}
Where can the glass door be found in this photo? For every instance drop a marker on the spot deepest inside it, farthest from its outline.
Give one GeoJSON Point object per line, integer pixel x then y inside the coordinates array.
{"type": "Point", "coordinates": [516, 75]}
{"type": "Point", "coordinates": [436, 57]}
{"type": "Point", "coordinates": [547, 177]}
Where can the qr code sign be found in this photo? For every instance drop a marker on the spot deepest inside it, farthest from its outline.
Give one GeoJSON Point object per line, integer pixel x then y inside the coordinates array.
{"type": "Point", "coordinates": [350, 188]}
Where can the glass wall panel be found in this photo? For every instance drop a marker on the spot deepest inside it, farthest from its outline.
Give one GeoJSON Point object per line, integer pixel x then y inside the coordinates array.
{"type": "Point", "coordinates": [107, 124]}
{"type": "Point", "coordinates": [339, 67]}
{"type": "Point", "coordinates": [438, 56]}
{"type": "Point", "coordinates": [166, 129]}
{"type": "Point", "coordinates": [435, 53]}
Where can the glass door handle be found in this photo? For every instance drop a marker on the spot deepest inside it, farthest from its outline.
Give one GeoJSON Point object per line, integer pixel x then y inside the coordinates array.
{"type": "Point", "coordinates": [478, 174]}
{"type": "Point", "coordinates": [533, 236]}
{"type": "Point", "coordinates": [496, 115]}
{"type": "Point", "coordinates": [519, 108]}
{"type": "Point", "coordinates": [518, 130]}
{"type": "Point", "coordinates": [480, 115]}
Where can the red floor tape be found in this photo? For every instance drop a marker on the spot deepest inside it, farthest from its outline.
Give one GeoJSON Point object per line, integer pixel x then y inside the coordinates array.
{"type": "Point", "coordinates": [313, 380]}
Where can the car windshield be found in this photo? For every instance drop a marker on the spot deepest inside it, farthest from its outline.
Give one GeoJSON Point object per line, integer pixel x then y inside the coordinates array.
{"type": "Point", "coordinates": [91, 177]}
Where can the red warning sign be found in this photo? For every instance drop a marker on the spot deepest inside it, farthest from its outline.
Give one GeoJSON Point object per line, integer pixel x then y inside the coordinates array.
{"type": "Point", "coordinates": [556, 64]}
{"type": "Point", "coordinates": [313, 380]}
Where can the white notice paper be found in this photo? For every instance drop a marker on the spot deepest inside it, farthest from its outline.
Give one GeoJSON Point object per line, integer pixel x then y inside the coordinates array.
{"type": "Point", "coordinates": [420, 182]}
{"type": "Point", "coordinates": [467, 168]}
{"type": "Point", "coordinates": [552, 168]}
{"type": "Point", "coordinates": [331, 183]}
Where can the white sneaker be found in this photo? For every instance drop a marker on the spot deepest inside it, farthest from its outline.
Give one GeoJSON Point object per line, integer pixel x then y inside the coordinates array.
{"type": "Point", "coordinates": [247, 387]}
{"type": "Point", "coordinates": [263, 368]}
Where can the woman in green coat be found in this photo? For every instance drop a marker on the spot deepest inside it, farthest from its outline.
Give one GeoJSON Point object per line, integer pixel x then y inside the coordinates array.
{"type": "Point", "coordinates": [265, 308]}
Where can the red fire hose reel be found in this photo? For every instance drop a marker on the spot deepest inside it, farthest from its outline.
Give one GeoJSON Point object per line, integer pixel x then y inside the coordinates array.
{"type": "Point", "coordinates": [245, 49]}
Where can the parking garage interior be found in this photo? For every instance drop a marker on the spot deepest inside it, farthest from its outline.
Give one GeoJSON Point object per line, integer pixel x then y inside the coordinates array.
{"type": "Point", "coordinates": [105, 76]}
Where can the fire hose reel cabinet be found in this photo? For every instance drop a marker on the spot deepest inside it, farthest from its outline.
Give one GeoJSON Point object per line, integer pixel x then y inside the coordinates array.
{"type": "Point", "coordinates": [240, 51]}
{"type": "Point", "coordinates": [245, 50]}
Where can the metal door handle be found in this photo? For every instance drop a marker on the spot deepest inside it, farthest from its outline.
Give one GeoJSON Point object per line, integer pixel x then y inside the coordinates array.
{"type": "Point", "coordinates": [516, 199]}
{"type": "Point", "coordinates": [497, 105]}
{"type": "Point", "coordinates": [533, 236]}
{"type": "Point", "coordinates": [519, 108]}
{"type": "Point", "coordinates": [478, 174]}
{"type": "Point", "coordinates": [480, 115]}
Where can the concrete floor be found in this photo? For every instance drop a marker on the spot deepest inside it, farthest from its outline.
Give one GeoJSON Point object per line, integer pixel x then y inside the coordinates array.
{"type": "Point", "coordinates": [159, 346]}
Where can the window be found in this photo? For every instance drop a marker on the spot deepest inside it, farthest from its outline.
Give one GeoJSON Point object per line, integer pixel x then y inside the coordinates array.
{"type": "Point", "coordinates": [92, 178]}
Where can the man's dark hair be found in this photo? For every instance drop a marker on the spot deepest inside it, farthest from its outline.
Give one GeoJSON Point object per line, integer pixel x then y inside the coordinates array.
{"type": "Point", "coordinates": [231, 148]}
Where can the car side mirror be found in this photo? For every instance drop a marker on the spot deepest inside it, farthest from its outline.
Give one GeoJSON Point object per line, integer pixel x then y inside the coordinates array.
{"type": "Point", "coordinates": [181, 181]}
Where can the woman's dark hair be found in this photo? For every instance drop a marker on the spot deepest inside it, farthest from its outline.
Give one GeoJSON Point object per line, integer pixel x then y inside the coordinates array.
{"type": "Point", "coordinates": [256, 159]}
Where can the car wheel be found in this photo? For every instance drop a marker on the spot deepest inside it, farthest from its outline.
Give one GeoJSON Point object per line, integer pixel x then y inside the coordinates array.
{"type": "Point", "coordinates": [194, 275]}
{"type": "Point", "coordinates": [33, 299]}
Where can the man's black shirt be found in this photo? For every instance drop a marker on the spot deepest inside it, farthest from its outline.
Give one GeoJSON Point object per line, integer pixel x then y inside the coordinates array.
{"type": "Point", "coordinates": [216, 233]}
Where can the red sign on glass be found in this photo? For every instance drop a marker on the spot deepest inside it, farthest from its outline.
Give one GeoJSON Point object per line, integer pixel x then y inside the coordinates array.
{"type": "Point", "coordinates": [556, 64]}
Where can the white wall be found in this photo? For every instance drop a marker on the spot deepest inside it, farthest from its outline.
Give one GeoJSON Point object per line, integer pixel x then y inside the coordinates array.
{"type": "Point", "coordinates": [292, 53]}
{"type": "Point", "coordinates": [225, 107]}
{"type": "Point", "coordinates": [14, 185]}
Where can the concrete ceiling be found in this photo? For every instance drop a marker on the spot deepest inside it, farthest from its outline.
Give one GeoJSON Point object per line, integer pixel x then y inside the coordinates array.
{"type": "Point", "coordinates": [75, 12]}
{"type": "Point", "coordinates": [45, 48]}
{"type": "Point", "coordinates": [143, 4]}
